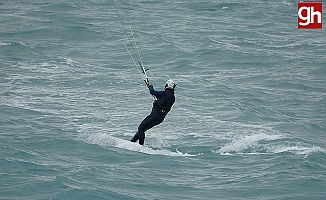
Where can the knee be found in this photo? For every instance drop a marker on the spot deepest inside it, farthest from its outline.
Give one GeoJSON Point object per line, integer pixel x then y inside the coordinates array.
{"type": "Point", "coordinates": [141, 128]}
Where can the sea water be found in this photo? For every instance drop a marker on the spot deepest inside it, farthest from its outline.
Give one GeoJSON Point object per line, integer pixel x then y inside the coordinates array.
{"type": "Point", "coordinates": [248, 121]}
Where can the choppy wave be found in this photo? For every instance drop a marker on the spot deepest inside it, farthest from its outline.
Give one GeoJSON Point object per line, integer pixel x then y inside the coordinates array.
{"type": "Point", "coordinates": [263, 143]}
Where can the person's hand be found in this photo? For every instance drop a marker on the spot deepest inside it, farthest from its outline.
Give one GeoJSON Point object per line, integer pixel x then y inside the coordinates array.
{"type": "Point", "coordinates": [149, 84]}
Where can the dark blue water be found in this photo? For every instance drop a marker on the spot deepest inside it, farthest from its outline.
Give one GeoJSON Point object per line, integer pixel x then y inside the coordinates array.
{"type": "Point", "coordinates": [248, 122]}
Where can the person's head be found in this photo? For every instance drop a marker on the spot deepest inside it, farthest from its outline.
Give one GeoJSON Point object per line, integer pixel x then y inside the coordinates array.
{"type": "Point", "coordinates": [170, 84]}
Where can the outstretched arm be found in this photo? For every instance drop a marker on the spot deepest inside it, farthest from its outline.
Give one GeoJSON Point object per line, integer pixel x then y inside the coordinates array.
{"type": "Point", "coordinates": [158, 94]}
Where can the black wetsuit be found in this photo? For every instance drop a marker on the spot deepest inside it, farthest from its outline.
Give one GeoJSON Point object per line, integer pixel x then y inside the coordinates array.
{"type": "Point", "coordinates": [161, 107]}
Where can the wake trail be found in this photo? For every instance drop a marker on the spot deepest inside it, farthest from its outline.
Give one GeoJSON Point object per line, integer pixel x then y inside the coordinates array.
{"type": "Point", "coordinates": [104, 140]}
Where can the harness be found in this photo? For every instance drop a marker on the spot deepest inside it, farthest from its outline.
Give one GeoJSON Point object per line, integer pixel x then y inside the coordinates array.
{"type": "Point", "coordinates": [162, 110]}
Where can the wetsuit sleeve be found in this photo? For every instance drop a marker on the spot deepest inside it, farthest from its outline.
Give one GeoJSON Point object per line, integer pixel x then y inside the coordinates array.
{"type": "Point", "coordinates": [158, 94]}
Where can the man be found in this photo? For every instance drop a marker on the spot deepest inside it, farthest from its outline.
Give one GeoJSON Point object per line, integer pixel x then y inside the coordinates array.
{"type": "Point", "coordinates": [161, 107]}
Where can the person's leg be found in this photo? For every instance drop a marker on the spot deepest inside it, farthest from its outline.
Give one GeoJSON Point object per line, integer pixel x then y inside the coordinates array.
{"type": "Point", "coordinates": [135, 138]}
{"type": "Point", "coordinates": [141, 128]}
{"type": "Point", "coordinates": [151, 120]}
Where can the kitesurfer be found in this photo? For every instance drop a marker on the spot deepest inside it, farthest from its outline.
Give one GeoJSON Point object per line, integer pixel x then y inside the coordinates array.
{"type": "Point", "coordinates": [161, 107]}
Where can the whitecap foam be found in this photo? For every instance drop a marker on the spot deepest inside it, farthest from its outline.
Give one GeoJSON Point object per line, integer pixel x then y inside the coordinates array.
{"type": "Point", "coordinates": [4, 44]}
{"type": "Point", "coordinates": [256, 144]}
{"type": "Point", "coordinates": [297, 149]}
{"type": "Point", "coordinates": [247, 142]}
{"type": "Point", "coordinates": [103, 139]}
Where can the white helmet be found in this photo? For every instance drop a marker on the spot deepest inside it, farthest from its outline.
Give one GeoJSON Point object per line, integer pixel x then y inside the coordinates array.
{"type": "Point", "coordinates": [170, 84]}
